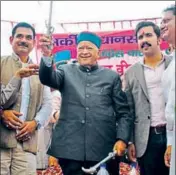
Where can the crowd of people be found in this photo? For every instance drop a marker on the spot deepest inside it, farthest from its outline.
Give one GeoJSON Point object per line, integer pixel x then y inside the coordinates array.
{"type": "Point", "coordinates": [71, 116]}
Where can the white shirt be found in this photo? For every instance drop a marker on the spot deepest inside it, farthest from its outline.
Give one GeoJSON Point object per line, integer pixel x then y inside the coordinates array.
{"type": "Point", "coordinates": [155, 92]}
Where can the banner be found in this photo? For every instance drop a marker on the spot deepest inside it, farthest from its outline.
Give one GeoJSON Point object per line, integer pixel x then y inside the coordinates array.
{"type": "Point", "coordinates": [119, 49]}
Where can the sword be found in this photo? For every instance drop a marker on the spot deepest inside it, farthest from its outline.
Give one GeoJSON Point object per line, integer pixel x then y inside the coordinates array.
{"type": "Point", "coordinates": [50, 28]}
{"type": "Point", "coordinates": [93, 169]}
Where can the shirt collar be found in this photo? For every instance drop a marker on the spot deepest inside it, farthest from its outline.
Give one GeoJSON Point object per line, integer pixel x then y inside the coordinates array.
{"type": "Point", "coordinates": [88, 69]}
{"type": "Point", "coordinates": [162, 60]}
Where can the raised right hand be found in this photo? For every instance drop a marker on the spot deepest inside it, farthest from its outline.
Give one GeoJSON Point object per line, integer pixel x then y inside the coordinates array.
{"type": "Point", "coordinates": [11, 120]}
{"type": "Point", "coordinates": [132, 152]}
{"type": "Point", "coordinates": [46, 44]}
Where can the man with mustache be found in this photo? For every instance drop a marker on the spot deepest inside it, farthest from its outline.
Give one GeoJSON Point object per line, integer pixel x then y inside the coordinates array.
{"type": "Point", "coordinates": [168, 81]}
{"type": "Point", "coordinates": [145, 96]}
{"type": "Point", "coordinates": [31, 108]}
{"type": "Point", "coordinates": [94, 117]}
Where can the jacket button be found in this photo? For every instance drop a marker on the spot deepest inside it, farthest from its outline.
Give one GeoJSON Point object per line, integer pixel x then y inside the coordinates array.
{"type": "Point", "coordinates": [88, 84]}
{"type": "Point", "coordinates": [87, 95]}
{"type": "Point", "coordinates": [83, 121]}
{"type": "Point", "coordinates": [148, 117]}
{"type": "Point", "coordinates": [87, 108]}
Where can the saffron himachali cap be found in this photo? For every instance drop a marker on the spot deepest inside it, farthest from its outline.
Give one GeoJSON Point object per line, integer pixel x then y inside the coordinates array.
{"type": "Point", "coordinates": [89, 36]}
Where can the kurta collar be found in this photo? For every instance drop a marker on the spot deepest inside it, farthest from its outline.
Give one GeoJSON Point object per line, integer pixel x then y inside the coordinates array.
{"type": "Point", "coordinates": [88, 69]}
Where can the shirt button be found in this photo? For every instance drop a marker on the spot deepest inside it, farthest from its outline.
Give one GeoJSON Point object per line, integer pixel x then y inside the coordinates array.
{"type": "Point", "coordinates": [89, 73]}
{"type": "Point", "coordinates": [87, 95]}
{"type": "Point", "coordinates": [88, 85]}
{"type": "Point", "coordinates": [83, 121]}
{"type": "Point", "coordinates": [148, 117]}
{"type": "Point", "coordinates": [87, 108]}
{"type": "Point", "coordinates": [87, 70]}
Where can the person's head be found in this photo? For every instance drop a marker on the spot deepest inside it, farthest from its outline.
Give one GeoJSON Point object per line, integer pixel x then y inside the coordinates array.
{"type": "Point", "coordinates": [148, 37]}
{"type": "Point", "coordinates": [168, 24]}
{"type": "Point", "coordinates": [22, 39]}
{"type": "Point", "coordinates": [88, 45]}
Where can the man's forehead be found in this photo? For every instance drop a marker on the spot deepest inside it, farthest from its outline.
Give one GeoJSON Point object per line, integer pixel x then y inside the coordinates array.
{"type": "Point", "coordinates": [167, 14]}
{"type": "Point", "coordinates": [86, 43]}
{"type": "Point", "coordinates": [144, 30]}
{"type": "Point", "coordinates": [24, 31]}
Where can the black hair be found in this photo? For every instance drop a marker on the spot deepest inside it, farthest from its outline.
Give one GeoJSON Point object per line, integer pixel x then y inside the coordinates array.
{"type": "Point", "coordinates": [147, 24]}
{"type": "Point", "coordinates": [25, 25]}
{"type": "Point", "coordinates": [170, 8]}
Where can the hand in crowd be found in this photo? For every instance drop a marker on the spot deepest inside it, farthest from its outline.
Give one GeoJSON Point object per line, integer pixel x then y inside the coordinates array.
{"type": "Point", "coordinates": [132, 153]}
{"type": "Point", "coordinates": [44, 43]}
{"type": "Point", "coordinates": [32, 69]}
{"type": "Point", "coordinates": [54, 118]}
{"type": "Point", "coordinates": [27, 128]}
{"type": "Point", "coordinates": [120, 147]}
{"type": "Point", "coordinates": [52, 161]}
{"type": "Point", "coordinates": [11, 120]}
{"type": "Point", "coordinates": [167, 156]}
